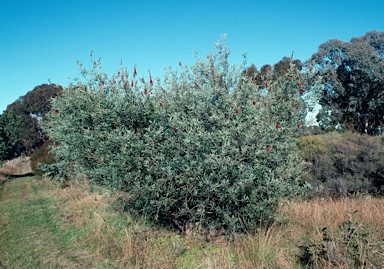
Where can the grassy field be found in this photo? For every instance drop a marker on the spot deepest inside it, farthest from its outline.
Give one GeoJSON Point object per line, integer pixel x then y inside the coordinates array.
{"type": "Point", "coordinates": [32, 231]}
{"type": "Point", "coordinates": [45, 226]}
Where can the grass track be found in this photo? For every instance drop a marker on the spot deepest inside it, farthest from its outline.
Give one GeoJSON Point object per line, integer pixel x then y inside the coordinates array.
{"type": "Point", "coordinates": [32, 233]}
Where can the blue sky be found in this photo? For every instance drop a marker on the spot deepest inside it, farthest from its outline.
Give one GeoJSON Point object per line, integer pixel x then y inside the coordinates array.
{"type": "Point", "coordinates": [41, 40]}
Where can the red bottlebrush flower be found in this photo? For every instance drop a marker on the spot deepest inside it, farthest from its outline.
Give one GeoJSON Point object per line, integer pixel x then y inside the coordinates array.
{"type": "Point", "coordinates": [161, 104]}
{"type": "Point", "coordinates": [175, 128]}
{"type": "Point", "coordinates": [301, 91]}
{"type": "Point", "coordinates": [268, 149]}
{"type": "Point", "coordinates": [277, 126]}
{"type": "Point", "coordinates": [266, 85]}
{"type": "Point", "coordinates": [134, 71]}
{"type": "Point", "coordinates": [126, 85]}
{"type": "Point", "coordinates": [197, 86]}
{"type": "Point", "coordinates": [56, 111]}
{"type": "Point", "coordinates": [151, 81]}
{"type": "Point", "coordinates": [122, 76]}
{"type": "Point", "coordinates": [180, 64]}
{"type": "Point", "coordinates": [254, 102]}
{"type": "Point", "coordinates": [132, 84]}
{"type": "Point", "coordinates": [299, 125]}
{"type": "Point", "coordinates": [298, 84]}
{"type": "Point", "coordinates": [145, 91]}
{"type": "Point", "coordinates": [118, 73]}
{"type": "Point", "coordinates": [237, 111]}
{"type": "Point", "coordinates": [142, 80]}
{"type": "Point", "coordinates": [310, 69]}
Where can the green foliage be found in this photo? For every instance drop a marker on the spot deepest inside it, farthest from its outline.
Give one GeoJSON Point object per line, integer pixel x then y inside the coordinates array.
{"type": "Point", "coordinates": [311, 146]}
{"type": "Point", "coordinates": [20, 132]}
{"type": "Point", "coordinates": [344, 163]}
{"type": "Point", "coordinates": [353, 77]}
{"type": "Point", "coordinates": [350, 245]}
{"type": "Point", "coordinates": [4, 148]}
{"type": "Point", "coordinates": [203, 147]}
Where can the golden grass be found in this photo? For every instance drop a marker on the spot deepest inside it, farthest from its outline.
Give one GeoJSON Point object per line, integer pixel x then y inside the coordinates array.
{"type": "Point", "coordinates": [306, 222]}
{"type": "Point", "coordinates": [333, 212]}
{"type": "Point", "coordinates": [265, 249]}
{"type": "Point", "coordinates": [16, 167]}
{"type": "Point", "coordinates": [8, 169]}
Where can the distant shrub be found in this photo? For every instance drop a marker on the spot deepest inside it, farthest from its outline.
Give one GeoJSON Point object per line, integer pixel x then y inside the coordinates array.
{"type": "Point", "coordinates": [40, 157]}
{"type": "Point", "coordinates": [311, 130]}
{"type": "Point", "coordinates": [344, 163]}
{"type": "Point", "coordinates": [205, 147]}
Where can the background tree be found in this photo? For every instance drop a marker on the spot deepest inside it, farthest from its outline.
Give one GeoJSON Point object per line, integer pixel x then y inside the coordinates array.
{"type": "Point", "coordinates": [4, 150]}
{"type": "Point", "coordinates": [353, 79]}
{"type": "Point", "coordinates": [20, 132]}
{"type": "Point", "coordinates": [282, 67]}
{"type": "Point", "coordinates": [277, 70]}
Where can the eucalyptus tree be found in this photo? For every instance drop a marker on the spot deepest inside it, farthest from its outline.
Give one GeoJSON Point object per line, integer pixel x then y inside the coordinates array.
{"type": "Point", "coordinates": [353, 80]}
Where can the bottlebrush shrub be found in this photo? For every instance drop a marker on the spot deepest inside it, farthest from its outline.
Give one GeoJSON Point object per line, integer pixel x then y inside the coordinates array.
{"type": "Point", "coordinates": [203, 146]}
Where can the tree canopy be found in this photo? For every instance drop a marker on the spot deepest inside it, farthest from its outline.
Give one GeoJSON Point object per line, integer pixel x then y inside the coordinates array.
{"type": "Point", "coordinates": [353, 80]}
{"type": "Point", "coordinates": [20, 132]}
{"type": "Point", "coordinates": [268, 72]}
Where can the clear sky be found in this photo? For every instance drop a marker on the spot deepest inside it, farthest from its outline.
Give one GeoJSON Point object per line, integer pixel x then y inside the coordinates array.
{"type": "Point", "coordinates": [42, 40]}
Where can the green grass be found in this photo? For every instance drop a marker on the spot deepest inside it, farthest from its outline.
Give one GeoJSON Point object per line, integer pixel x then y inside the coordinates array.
{"type": "Point", "coordinates": [32, 232]}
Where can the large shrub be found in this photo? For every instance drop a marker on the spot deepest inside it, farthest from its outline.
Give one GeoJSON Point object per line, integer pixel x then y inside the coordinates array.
{"type": "Point", "coordinates": [204, 146]}
{"type": "Point", "coordinates": [345, 163]}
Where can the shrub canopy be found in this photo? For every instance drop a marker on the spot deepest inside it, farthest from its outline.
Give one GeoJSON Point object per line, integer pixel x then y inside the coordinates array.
{"type": "Point", "coordinates": [204, 146]}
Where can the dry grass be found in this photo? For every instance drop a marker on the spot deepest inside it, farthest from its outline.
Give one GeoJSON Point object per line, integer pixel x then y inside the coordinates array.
{"type": "Point", "coordinates": [111, 236]}
{"type": "Point", "coordinates": [268, 248]}
{"type": "Point", "coordinates": [16, 167]}
{"type": "Point", "coordinates": [307, 215]}
{"type": "Point", "coordinates": [323, 225]}
{"type": "Point", "coordinates": [8, 168]}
